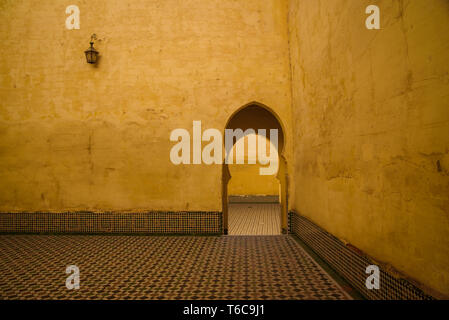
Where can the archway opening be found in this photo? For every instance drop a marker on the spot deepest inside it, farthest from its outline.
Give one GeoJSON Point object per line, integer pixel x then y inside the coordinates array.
{"type": "Point", "coordinates": [254, 190]}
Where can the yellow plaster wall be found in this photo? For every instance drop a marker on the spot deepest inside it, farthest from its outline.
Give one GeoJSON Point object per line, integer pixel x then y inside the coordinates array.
{"type": "Point", "coordinates": [371, 117]}
{"type": "Point", "coordinates": [246, 180]}
{"type": "Point", "coordinates": [78, 137]}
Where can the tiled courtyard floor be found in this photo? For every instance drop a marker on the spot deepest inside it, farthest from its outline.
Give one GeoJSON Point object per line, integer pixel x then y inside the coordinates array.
{"type": "Point", "coordinates": [254, 219]}
{"type": "Point", "coordinates": [161, 267]}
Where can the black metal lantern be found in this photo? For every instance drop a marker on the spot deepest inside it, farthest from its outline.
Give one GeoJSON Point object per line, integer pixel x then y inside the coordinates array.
{"type": "Point", "coordinates": [91, 53]}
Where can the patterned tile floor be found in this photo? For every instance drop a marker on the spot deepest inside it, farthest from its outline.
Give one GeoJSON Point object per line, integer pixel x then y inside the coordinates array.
{"type": "Point", "coordinates": [254, 219]}
{"type": "Point", "coordinates": [162, 267]}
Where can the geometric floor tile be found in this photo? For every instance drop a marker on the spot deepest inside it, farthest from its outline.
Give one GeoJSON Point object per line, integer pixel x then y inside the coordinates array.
{"type": "Point", "coordinates": [162, 267]}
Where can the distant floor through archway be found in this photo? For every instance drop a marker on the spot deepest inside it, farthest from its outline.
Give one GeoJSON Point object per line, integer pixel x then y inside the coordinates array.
{"type": "Point", "coordinates": [254, 219]}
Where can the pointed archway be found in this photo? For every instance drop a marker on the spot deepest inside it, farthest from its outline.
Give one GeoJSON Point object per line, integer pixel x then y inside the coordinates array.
{"type": "Point", "coordinates": [256, 116]}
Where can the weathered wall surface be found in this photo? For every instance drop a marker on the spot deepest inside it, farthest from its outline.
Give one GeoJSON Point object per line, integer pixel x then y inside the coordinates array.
{"type": "Point", "coordinates": [371, 131]}
{"type": "Point", "coordinates": [78, 137]}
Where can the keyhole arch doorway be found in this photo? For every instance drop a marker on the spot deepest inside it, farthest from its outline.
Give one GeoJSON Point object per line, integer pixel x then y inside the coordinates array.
{"type": "Point", "coordinates": [255, 115]}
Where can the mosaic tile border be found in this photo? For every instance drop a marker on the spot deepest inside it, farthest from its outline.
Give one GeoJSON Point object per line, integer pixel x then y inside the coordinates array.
{"type": "Point", "coordinates": [153, 222]}
{"type": "Point", "coordinates": [351, 264]}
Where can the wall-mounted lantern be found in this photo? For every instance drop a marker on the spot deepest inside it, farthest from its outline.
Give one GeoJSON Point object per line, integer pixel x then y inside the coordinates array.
{"type": "Point", "coordinates": [91, 53]}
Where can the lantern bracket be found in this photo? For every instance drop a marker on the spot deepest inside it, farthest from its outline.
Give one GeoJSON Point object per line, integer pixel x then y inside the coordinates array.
{"type": "Point", "coordinates": [91, 53]}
